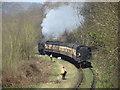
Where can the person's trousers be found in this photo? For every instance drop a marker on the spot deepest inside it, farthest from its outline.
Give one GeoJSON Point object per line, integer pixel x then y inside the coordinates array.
{"type": "Point", "coordinates": [63, 76]}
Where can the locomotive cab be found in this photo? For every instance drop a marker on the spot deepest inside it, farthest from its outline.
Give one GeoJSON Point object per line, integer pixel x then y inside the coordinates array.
{"type": "Point", "coordinates": [84, 55]}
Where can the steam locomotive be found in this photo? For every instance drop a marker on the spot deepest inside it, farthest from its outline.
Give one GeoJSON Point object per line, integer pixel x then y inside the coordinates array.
{"type": "Point", "coordinates": [78, 52]}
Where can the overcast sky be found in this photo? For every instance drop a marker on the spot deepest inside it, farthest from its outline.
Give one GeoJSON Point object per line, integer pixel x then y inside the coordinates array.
{"type": "Point", "coordinates": [59, 0]}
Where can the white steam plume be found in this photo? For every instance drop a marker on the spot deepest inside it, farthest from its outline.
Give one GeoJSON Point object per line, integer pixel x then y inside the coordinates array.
{"type": "Point", "coordinates": [57, 21]}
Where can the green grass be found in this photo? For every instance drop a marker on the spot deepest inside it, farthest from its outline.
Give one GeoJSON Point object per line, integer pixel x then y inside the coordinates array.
{"type": "Point", "coordinates": [87, 80]}
{"type": "Point", "coordinates": [71, 77]}
{"type": "Point", "coordinates": [7, 88]}
{"type": "Point", "coordinates": [102, 76]}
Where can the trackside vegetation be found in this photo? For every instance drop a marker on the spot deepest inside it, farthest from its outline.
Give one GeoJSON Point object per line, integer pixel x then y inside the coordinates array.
{"type": "Point", "coordinates": [21, 32]}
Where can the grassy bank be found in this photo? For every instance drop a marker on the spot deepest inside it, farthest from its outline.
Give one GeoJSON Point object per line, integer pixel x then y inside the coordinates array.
{"type": "Point", "coordinates": [106, 71]}
{"type": "Point", "coordinates": [87, 80]}
{"type": "Point", "coordinates": [55, 79]}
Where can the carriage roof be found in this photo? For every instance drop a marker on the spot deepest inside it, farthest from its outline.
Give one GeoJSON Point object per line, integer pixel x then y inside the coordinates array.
{"type": "Point", "coordinates": [71, 45]}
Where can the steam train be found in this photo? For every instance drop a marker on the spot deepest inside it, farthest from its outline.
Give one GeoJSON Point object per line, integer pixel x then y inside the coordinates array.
{"type": "Point", "coordinates": [80, 53]}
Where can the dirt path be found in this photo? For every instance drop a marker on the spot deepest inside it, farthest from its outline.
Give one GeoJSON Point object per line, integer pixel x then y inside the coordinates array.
{"type": "Point", "coordinates": [55, 79]}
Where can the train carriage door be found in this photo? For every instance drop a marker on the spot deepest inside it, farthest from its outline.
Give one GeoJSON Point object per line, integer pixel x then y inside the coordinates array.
{"type": "Point", "coordinates": [73, 52]}
{"type": "Point", "coordinates": [50, 47]}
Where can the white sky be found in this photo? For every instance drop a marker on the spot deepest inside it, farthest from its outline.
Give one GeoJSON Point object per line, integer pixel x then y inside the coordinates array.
{"type": "Point", "coordinates": [60, 0]}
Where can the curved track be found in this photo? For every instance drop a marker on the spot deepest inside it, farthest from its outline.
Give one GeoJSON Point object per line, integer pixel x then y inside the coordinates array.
{"type": "Point", "coordinates": [81, 79]}
{"type": "Point", "coordinates": [94, 78]}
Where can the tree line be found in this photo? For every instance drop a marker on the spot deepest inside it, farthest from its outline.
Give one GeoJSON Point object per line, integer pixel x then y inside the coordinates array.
{"type": "Point", "coordinates": [21, 31]}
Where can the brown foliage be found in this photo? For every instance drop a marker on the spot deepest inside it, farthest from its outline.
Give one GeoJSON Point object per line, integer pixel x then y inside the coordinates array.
{"type": "Point", "coordinates": [30, 73]}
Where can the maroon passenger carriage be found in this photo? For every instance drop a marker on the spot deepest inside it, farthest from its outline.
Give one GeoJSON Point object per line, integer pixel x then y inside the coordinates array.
{"type": "Point", "coordinates": [78, 52]}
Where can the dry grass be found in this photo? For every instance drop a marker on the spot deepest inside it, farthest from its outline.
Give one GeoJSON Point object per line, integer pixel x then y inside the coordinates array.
{"type": "Point", "coordinates": [30, 73]}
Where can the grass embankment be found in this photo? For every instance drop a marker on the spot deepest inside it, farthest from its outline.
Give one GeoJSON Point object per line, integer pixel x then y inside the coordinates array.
{"type": "Point", "coordinates": [55, 79]}
{"type": "Point", "coordinates": [106, 70]}
{"type": "Point", "coordinates": [28, 74]}
{"type": "Point", "coordinates": [87, 79]}
{"type": "Point", "coordinates": [103, 77]}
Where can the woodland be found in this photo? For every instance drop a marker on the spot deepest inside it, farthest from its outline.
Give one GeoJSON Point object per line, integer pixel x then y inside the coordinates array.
{"type": "Point", "coordinates": [21, 32]}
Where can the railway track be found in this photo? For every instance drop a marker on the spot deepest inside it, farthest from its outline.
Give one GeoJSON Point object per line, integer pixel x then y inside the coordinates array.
{"type": "Point", "coordinates": [81, 81]}
{"type": "Point", "coordinates": [81, 78]}
{"type": "Point", "coordinates": [94, 78]}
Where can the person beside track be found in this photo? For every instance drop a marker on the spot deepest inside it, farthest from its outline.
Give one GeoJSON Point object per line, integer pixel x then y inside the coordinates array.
{"type": "Point", "coordinates": [51, 57]}
{"type": "Point", "coordinates": [63, 72]}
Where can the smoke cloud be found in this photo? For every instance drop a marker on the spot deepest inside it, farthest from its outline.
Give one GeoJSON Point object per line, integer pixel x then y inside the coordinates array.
{"type": "Point", "coordinates": [59, 20]}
